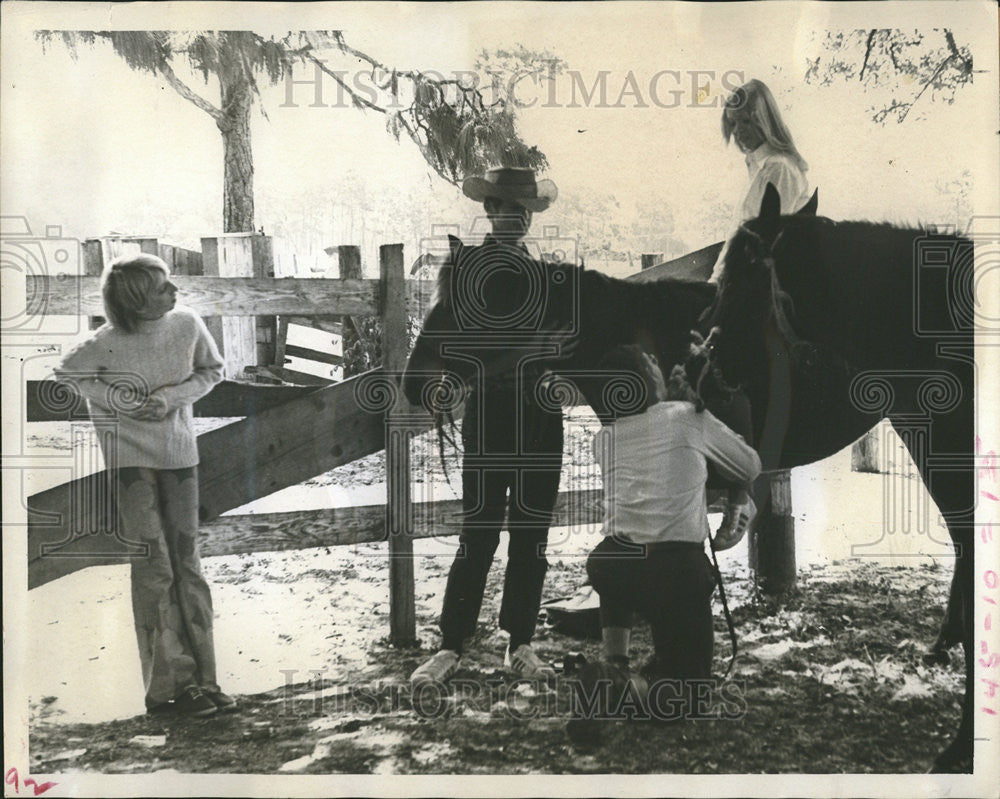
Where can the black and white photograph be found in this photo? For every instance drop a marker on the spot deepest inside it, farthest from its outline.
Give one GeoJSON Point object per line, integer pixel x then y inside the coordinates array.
{"type": "Point", "coordinates": [501, 398]}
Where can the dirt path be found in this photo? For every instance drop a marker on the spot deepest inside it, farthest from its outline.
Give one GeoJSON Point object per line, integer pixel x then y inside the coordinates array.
{"type": "Point", "coordinates": [830, 682]}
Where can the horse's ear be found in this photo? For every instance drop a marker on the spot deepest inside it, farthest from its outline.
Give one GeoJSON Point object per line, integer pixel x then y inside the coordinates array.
{"type": "Point", "coordinates": [770, 205]}
{"type": "Point", "coordinates": [456, 247]}
{"type": "Point", "coordinates": [809, 209]}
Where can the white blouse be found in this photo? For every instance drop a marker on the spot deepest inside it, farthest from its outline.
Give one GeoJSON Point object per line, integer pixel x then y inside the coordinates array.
{"type": "Point", "coordinates": [654, 467]}
{"type": "Point", "coordinates": [767, 165]}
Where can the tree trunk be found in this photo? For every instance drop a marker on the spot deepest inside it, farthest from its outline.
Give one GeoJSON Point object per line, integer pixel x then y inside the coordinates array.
{"type": "Point", "coordinates": [237, 99]}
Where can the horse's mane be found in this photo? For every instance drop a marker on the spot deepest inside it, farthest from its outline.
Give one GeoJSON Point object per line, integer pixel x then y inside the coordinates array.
{"type": "Point", "coordinates": [869, 241]}
{"type": "Point", "coordinates": [659, 314]}
{"type": "Point", "coordinates": [766, 268]}
{"type": "Point", "coordinates": [442, 285]}
{"type": "Point", "coordinates": [842, 248]}
{"type": "Point", "coordinates": [679, 291]}
{"type": "Point", "coordinates": [856, 225]}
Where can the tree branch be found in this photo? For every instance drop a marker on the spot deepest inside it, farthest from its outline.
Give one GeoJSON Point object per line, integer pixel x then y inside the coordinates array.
{"type": "Point", "coordinates": [950, 39]}
{"type": "Point", "coordinates": [880, 116]}
{"type": "Point", "coordinates": [357, 99]}
{"type": "Point", "coordinates": [184, 91]}
{"type": "Point", "coordinates": [892, 55]}
{"type": "Point", "coordinates": [414, 75]}
{"type": "Point", "coordinates": [868, 52]}
{"type": "Point", "coordinates": [923, 88]}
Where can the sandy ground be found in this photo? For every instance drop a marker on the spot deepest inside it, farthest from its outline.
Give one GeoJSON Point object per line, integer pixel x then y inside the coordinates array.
{"type": "Point", "coordinates": [829, 681]}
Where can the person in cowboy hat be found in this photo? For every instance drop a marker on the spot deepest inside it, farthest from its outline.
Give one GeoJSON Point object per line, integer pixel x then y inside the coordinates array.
{"type": "Point", "coordinates": [502, 417]}
{"type": "Point", "coordinates": [513, 186]}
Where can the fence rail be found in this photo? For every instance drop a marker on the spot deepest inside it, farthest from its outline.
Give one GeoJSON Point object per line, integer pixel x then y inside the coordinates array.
{"type": "Point", "coordinates": [362, 524]}
{"type": "Point", "coordinates": [233, 296]}
{"type": "Point", "coordinates": [228, 398]}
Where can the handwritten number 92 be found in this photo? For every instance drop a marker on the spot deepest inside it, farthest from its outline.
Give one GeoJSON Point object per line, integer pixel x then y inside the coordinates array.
{"type": "Point", "coordinates": [11, 778]}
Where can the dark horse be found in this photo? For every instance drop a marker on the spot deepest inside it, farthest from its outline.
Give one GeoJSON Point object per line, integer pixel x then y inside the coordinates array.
{"type": "Point", "coordinates": [827, 327]}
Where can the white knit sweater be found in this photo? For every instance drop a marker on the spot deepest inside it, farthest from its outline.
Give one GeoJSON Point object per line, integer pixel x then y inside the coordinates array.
{"type": "Point", "coordinates": [173, 357]}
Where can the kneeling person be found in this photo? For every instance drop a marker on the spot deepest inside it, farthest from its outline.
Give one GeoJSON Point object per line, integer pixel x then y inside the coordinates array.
{"type": "Point", "coordinates": [652, 560]}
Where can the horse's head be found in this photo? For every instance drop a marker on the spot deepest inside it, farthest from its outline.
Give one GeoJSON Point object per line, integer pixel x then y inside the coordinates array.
{"type": "Point", "coordinates": [750, 297]}
{"type": "Point", "coordinates": [493, 306]}
{"type": "Point", "coordinates": [769, 222]}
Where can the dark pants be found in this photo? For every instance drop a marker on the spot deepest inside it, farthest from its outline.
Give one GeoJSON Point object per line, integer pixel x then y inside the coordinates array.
{"type": "Point", "coordinates": [514, 447]}
{"type": "Point", "coordinates": [671, 586]}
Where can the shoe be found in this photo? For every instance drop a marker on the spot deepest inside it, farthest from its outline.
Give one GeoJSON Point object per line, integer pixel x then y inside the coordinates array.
{"type": "Point", "coordinates": [523, 662]}
{"type": "Point", "coordinates": [193, 702]}
{"type": "Point", "coordinates": [436, 669]}
{"type": "Point", "coordinates": [160, 709]}
{"type": "Point", "coordinates": [222, 701]}
{"type": "Point", "coordinates": [735, 523]}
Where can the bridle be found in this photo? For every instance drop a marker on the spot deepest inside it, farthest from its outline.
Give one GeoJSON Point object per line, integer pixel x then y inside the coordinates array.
{"type": "Point", "coordinates": [706, 348]}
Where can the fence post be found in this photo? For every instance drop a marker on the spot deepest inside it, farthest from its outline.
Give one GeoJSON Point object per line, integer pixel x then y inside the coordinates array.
{"type": "Point", "coordinates": [349, 263]}
{"type": "Point", "coordinates": [93, 265]}
{"type": "Point", "coordinates": [864, 453]}
{"type": "Point", "coordinates": [265, 263]}
{"type": "Point", "coordinates": [280, 342]}
{"type": "Point", "coordinates": [231, 255]}
{"type": "Point", "coordinates": [651, 259]}
{"type": "Point", "coordinates": [772, 537]}
{"type": "Point", "coordinates": [395, 346]}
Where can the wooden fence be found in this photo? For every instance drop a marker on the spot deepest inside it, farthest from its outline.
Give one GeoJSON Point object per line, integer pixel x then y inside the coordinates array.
{"type": "Point", "coordinates": [289, 433]}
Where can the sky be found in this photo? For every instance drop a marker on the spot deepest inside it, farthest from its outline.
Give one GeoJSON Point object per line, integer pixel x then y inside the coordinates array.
{"type": "Point", "coordinates": [94, 147]}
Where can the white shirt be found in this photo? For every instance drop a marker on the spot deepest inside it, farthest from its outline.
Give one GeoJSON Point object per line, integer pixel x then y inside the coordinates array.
{"type": "Point", "coordinates": [768, 165]}
{"type": "Point", "coordinates": [654, 466]}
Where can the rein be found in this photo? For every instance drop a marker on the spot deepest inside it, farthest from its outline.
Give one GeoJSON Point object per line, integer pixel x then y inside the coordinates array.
{"type": "Point", "coordinates": [439, 418]}
{"type": "Point", "coordinates": [725, 609]}
{"type": "Point", "coordinates": [706, 347]}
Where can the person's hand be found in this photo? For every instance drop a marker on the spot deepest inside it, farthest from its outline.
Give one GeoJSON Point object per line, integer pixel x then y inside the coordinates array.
{"type": "Point", "coordinates": [735, 523]}
{"type": "Point", "coordinates": [153, 409]}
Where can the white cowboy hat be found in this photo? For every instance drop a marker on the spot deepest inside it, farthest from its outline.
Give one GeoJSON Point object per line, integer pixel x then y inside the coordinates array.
{"type": "Point", "coordinates": [512, 183]}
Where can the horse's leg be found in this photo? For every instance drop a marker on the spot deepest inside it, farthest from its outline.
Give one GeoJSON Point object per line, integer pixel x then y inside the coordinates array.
{"type": "Point", "coordinates": [950, 633]}
{"type": "Point", "coordinates": [953, 491]}
{"type": "Point", "coordinates": [957, 757]}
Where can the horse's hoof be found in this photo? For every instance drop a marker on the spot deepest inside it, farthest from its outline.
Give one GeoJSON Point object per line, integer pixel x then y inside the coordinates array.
{"type": "Point", "coordinates": [956, 759]}
{"type": "Point", "coordinates": [937, 657]}
{"type": "Point", "coordinates": [944, 765]}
